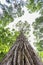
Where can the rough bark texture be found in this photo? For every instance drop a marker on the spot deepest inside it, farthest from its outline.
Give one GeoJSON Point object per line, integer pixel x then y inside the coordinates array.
{"type": "Point", "coordinates": [21, 53]}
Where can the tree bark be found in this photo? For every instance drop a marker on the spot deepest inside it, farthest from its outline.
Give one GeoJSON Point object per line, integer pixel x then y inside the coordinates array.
{"type": "Point", "coordinates": [21, 53]}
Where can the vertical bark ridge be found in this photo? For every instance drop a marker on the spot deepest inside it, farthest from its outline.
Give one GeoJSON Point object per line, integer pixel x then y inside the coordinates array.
{"type": "Point", "coordinates": [34, 57]}
{"type": "Point", "coordinates": [20, 59]}
{"type": "Point", "coordinates": [15, 56]}
{"type": "Point", "coordinates": [19, 56]}
{"type": "Point", "coordinates": [9, 62]}
{"type": "Point", "coordinates": [28, 55]}
{"type": "Point", "coordinates": [26, 60]}
{"type": "Point", "coordinates": [22, 55]}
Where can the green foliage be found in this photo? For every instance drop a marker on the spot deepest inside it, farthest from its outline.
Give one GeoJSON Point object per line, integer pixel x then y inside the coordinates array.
{"type": "Point", "coordinates": [2, 55]}
{"type": "Point", "coordinates": [38, 27]}
{"type": "Point", "coordinates": [41, 11]}
{"type": "Point", "coordinates": [14, 8]}
{"type": "Point", "coordinates": [41, 55]}
{"type": "Point", "coordinates": [38, 32]}
{"type": "Point", "coordinates": [39, 45]}
{"type": "Point", "coordinates": [41, 30]}
{"type": "Point", "coordinates": [5, 19]}
{"type": "Point", "coordinates": [7, 37]}
{"type": "Point", "coordinates": [24, 26]}
{"type": "Point", "coordinates": [34, 5]}
{"type": "Point", "coordinates": [6, 40]}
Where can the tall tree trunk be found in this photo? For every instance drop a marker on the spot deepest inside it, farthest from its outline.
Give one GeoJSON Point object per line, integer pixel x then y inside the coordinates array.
{"type": "Point", "coordinates": [21, 53]}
